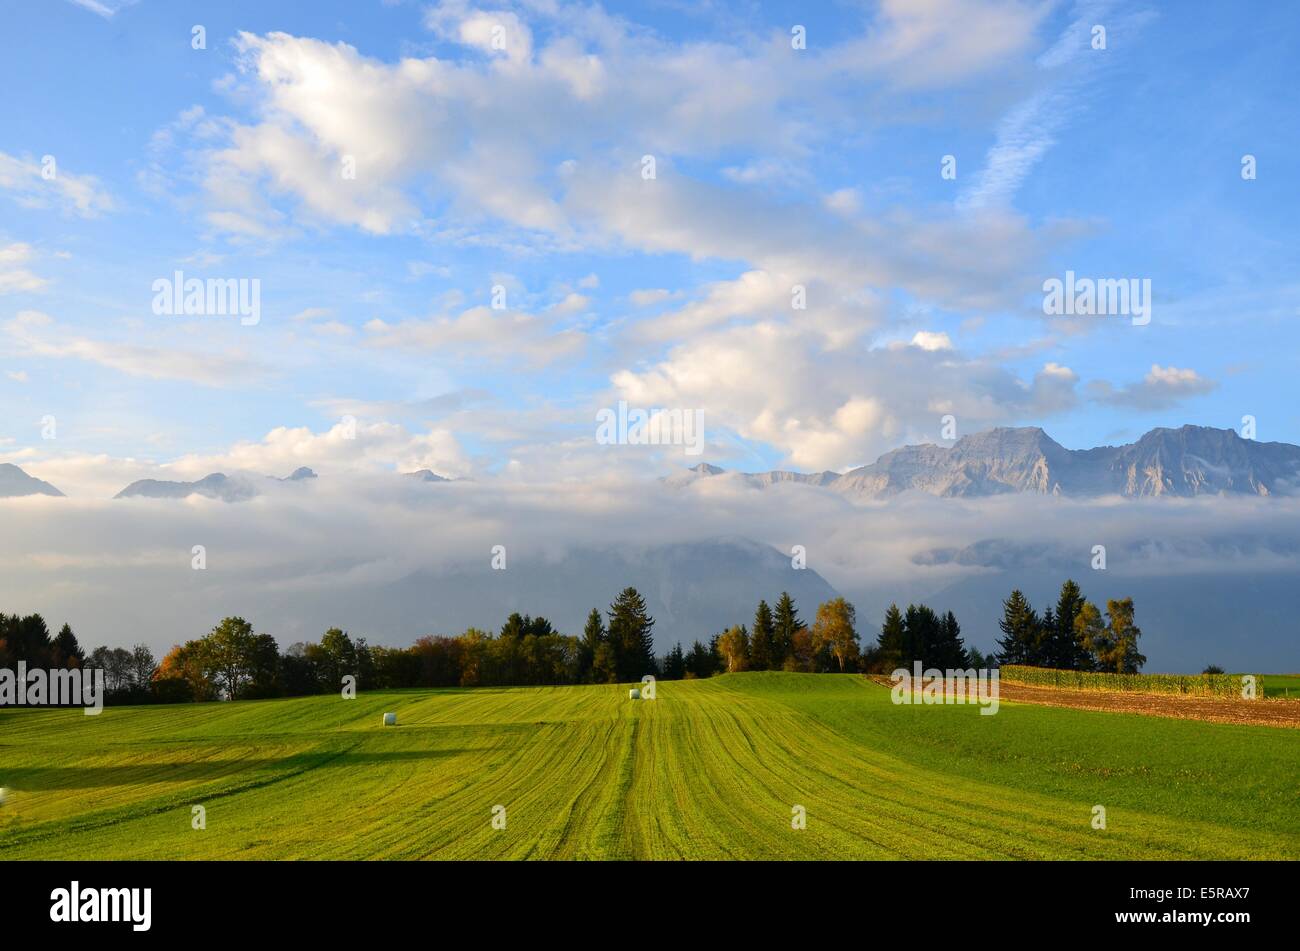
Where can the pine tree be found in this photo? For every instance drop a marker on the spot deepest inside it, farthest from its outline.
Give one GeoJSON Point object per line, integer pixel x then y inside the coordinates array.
{"type": "Point", "coordinates": [785, 625]}
{"type": "Point", "coordinates": [593, 638]}
{"type": "Point", "coordinates": [631, 636]}
{"type": "Point", "coordinates": [674, 664]}
{"type": "Point", "coordinates": [66, 652]}
{"type": "Point", "coordinates": [700, 661]}
{"type": "Point", "coordinates": [761, 638]}
{"type": "Point", "coordinates": [515, 627]}
{"type": "Point", "coordinates": [951, 650]}
{"type": "Point", "coordinates": [1022, 632]}
{"type": "Point", "coordinates": [890, 643]}
{"type": "Point", "coordinates": [1064, 648]}
{"type": "Point", "coordinates": [920, 636]}
{"type": "Point", "coordinates": [28, 639]}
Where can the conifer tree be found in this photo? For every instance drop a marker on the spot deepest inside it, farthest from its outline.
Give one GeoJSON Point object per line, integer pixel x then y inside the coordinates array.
{"type": "Point", "coordinates": [891, 640]}
{"type": "Point", "coordinates": [1022, 632]}
{"type": "Point", "coordinates": [1064, 648]}
{"type": "Point", "coordinates": [761, 638]}
{"type": "Point", "coordinates": [66, 652]}
{"type": "Point", "coordinates": [951, 649]}
{"type": "Point", "coordinates": [631, 636]}
{"type": "Point", "coordinates": [593, 639]}
{"type": "Point", "coordinates": [674, 664]}
{"type": "Point", "coordinates": [785, 625]}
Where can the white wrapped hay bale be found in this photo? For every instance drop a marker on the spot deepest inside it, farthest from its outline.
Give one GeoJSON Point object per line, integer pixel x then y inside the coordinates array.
{"type": "Point", "coordinates": [390, 719]}
{"type": "Point", "coordinates": [634, 694]}
{"type": "Point", "coordinates": [4, 794]}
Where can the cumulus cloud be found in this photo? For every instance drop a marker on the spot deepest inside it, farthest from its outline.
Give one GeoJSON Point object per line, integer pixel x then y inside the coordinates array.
{"type": "Point", "coordinates": [834, 408]}
{"type": "Point", "coordinates": [1161, 388]}
{"type": "Point", "coordinates": [347, 449]}
{"type": "Point", "coordinates": [488, 136]}
{"type": "Point", "coordinates": [931, 340]}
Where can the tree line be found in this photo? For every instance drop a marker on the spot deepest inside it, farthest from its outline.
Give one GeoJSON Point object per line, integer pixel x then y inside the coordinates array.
{"type": "Point", "coordinates": [1072, 636]}
{"type": "Point", "coordinates": [128, 674]}
{"type": "Point", "coordinates": [233, 661]}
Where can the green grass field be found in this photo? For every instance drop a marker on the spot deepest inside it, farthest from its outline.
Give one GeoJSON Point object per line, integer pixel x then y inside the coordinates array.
{"type": "Point", "coordinates": [1282, 685]}
{"type": "Point", "coordinates": [710, 770]}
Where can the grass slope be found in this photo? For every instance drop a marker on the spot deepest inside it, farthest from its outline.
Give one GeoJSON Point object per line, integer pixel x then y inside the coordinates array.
{"type": "Point", "coordinates": [709, 770]}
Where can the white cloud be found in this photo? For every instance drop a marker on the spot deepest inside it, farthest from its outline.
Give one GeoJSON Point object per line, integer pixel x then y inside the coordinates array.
{"type": "Point", "coordinates": [37, 334]}
{"type": "Point", "coordinates": [927, 43]}
{"type": "Point", "coordinates": [14, 275]}
{"type": "Point", "coordinates": [371, 447]}
{"type": "Point", "coordinates": [1028, 132]}
{"type": "Point", "coordinates": [1161, 388]}
{"type": "Point", "coordinates": [931, 340]}
{"type": "Point", "coordinates": [482, 332]}
{"type": "Point", "coordinates": [342, 538]}
{"type": "Point", "coordinates": [833, 408]}
{"type": "Point", "coordinates": [80, 195]}
{"type": "Point", "coordinates": [104, 8]}
{"type": "Point", "coordinates": [571, 304]}
{"type": "Point", "coordinates": [651, 295]}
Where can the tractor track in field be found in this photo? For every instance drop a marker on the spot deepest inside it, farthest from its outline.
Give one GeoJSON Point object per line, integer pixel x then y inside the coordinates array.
{"type": "Point", "coordinates": [1262, 712]}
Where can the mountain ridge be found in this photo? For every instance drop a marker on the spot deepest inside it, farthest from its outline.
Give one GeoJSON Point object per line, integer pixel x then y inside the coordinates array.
{"type": "Point", "coordinates": [15, 483]}
{"type": "Point", "coordinates": [1183, 462]}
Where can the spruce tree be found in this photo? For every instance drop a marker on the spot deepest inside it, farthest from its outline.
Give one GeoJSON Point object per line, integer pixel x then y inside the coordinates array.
{"type": "Point", "coordinates": [700, 661]}
{"type": "Point", "coordinates": [920, 635]}
{"type": "Point", "coordinates": [66, 652]}
{"type": "Point", "coordinates": [951, 653]}
{"type": "Point", "coordinates": [674, 664]}
{"type": "Point", "coordinates": [631, 636]}
{"type": "Point", "coordinates": [1021, 630]}
{"type": "Point", "coordinates": [785, 625]}
{"type": "Point", "coordinates": [1065, 648]}
{"type": "Point", "coordinates": [593, 638]}
{"type": "Point", "coordinates": [760, 640]}
{"type": "Point", "coordinates": [890, 641]}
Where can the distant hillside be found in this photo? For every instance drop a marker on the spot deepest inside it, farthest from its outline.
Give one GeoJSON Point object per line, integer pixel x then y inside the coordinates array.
{"type": "Point", "coordinates": [216, 485]}
{"type": "Point", "coordinates": [692, 589]}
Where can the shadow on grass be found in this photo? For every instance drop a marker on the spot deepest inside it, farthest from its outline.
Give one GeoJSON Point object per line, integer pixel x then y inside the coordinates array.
{"type": "Point", "coordinates": [45, 778]}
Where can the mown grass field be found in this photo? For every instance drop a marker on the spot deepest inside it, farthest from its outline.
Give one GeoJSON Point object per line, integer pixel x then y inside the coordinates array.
{"type": "Point", "coordinates": [710, 770]}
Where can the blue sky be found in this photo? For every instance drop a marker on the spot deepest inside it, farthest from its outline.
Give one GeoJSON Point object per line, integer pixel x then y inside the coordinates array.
{"type": "Point", "coordinates": [521, 167]}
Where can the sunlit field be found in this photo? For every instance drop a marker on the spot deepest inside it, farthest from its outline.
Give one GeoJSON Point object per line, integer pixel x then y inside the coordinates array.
{"type": "Point", "coordinates": [712, 769]}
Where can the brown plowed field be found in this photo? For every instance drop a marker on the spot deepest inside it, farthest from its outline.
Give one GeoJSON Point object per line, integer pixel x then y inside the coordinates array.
{"type": "Point", "coordinates": [1280, 713]}
{"type": "Point", "coordinates": [1284, 713]}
